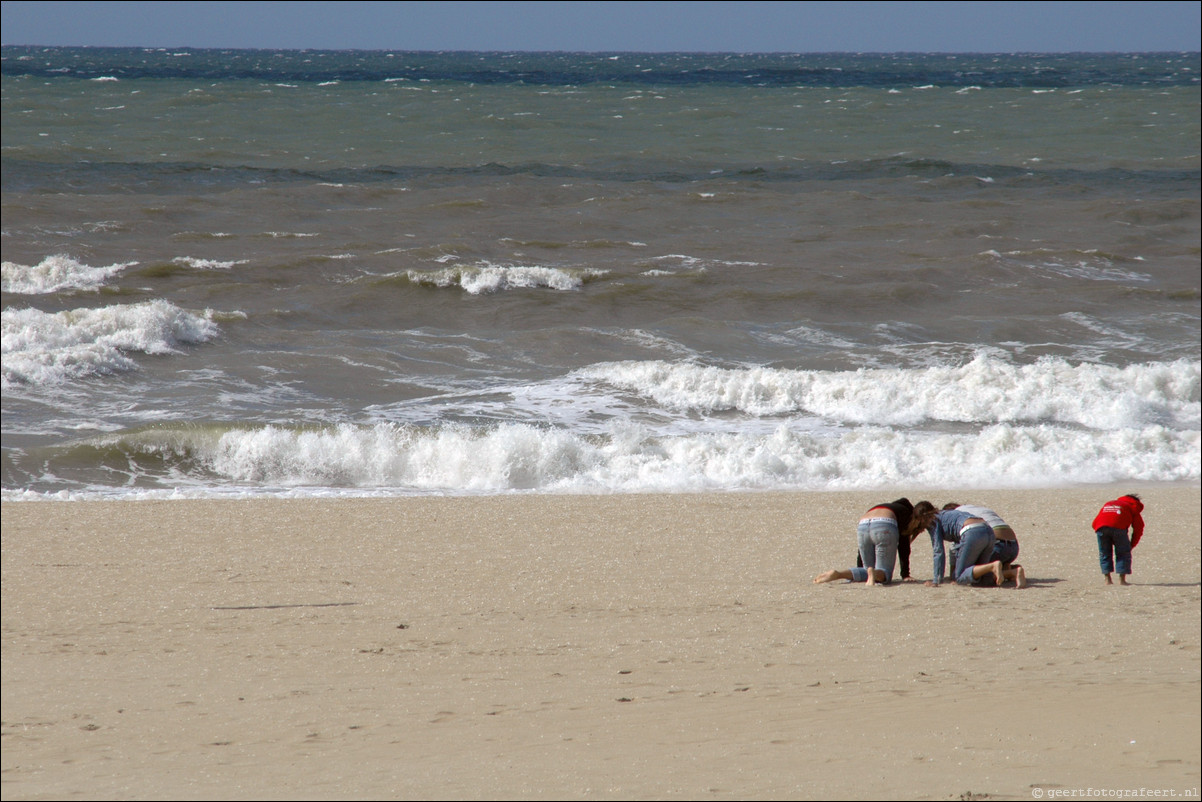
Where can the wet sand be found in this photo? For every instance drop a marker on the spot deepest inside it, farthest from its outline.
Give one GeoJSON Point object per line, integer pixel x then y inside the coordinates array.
{"type": "Point", "coordinates": [586, 647]}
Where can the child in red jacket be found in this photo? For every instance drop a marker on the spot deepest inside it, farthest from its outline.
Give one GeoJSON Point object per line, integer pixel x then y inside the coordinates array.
{"type": "Point", "coordinates": [1114, 545]}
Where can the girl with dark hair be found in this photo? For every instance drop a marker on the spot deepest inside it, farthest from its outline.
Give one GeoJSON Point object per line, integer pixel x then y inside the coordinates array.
{"type": "Point", "coordinates": [881, 533]}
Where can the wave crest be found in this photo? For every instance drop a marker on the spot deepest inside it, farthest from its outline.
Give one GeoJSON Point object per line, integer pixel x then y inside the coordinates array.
{"type": "Point", "coordinates": [485, 279]}
{"type": "Point", "coordinates": [44, 348]}
{"type": "Point", "coordinates": [519, 457]}
{"type": "Point", "coordinates": [986, 390]}
{"type": "Point", "coordinates": [56, 273]}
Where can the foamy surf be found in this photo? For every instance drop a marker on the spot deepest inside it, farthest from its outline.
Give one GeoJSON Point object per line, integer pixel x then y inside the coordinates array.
{"type": "Point", "coordinates": [58, 273]}
{"type": "Point", "coordinates": [458, 460]}
{"type": "Point", "coordinates": [45, 348]}
{"type": "Point", "coordinates": [986, 390]}
{"type": "Point", "coordinates": [484, 279]}
{"type": "Point", "coordinates": [207, 264]}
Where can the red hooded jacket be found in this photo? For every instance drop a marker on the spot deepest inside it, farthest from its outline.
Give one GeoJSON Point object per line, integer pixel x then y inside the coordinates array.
{"type": "Point", "coordinates": [1122, 513]}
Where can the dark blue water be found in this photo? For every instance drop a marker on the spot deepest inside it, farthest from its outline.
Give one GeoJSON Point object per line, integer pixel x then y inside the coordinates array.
{"type": "Point", "coordinates": [641, 69]}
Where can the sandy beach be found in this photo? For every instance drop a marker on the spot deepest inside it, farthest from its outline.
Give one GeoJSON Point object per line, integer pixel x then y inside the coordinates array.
{"type": "Point", "coordinates": [586, 647]}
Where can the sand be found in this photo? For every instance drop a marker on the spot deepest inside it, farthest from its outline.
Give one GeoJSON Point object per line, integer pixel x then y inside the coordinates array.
{"type": "Point", "coordinates": [586, 647]}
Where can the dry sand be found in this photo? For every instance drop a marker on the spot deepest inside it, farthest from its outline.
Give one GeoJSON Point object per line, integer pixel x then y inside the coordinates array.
{"type": "Point", "coordinates": [568, 647]}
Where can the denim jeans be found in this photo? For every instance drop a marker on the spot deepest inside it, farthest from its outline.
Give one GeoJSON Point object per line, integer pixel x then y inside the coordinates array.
{"type": "Point", "coordinates": [1005, 550]}
{"type": "Point", "coordinates": [976, 548]}
{"type": "Point", "coordinates": [878, 538]}
{"type": "Point", "coordinates": [1114, 550]}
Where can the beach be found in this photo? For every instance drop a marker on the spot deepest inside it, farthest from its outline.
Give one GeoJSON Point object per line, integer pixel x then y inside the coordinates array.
{"type": "Point", "coordinates": [455, 425]}
{"type": "Point", "coordinates": [584, 647]}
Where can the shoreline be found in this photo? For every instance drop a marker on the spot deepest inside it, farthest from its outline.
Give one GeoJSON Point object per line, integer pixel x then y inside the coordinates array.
{"type": "Point", "coordinates": [572, 647]}
{"type": "Point", "coordinates": [342, 494]}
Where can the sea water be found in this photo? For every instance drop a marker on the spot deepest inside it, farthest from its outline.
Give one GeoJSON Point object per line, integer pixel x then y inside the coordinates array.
{"type": "Point", "coordinates": [231, 273]}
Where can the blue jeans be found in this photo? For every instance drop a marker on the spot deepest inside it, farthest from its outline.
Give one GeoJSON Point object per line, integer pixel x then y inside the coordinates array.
{"type": "Point", "coordinates": [976, 548]}
{"type": "Point", "coordinates": [1114, 546]}
{"type": "Point", "coordinates": [1005, 550]}
{"type": "Point", "coordinates": [878, 538]}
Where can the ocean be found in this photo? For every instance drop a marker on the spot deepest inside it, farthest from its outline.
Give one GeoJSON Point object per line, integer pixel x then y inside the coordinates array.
{"type": "Point", "coordinates": [314, 273]}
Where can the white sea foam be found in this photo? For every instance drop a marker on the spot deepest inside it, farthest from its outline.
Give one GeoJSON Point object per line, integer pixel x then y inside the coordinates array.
{"type": "Point", "coordinates": [489, 278]}
{"type": "Point", "coordinates": [987, 390]}
{"type": "Point", "coordinates": [657, 426]}
{"type": "Point", "coordinates": [1090, 265]}
{"type": "Point", "coordinates": [207, 264]}
{"type": "Point", "coordinates": [684, 260]}
{"type": "Point", "coordinates": [518, 457]}
{"type": "Point", "coordinates": [43, 348]}
{"type": "Point", "coordinates": [56, 274]}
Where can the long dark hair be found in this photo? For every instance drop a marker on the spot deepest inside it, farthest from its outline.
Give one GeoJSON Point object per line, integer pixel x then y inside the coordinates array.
{"type": "Point", "coordinates": [924, 513]}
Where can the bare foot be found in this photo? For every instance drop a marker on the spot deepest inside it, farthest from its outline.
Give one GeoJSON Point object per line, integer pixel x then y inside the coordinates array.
{"type": "Point", "coordinates": [1020, 577]}
{"type": "Point", "coordinates": [1108, 582]}
{"type": "Point", "coordinates": [826, 576]}
{"type": "Point", "coordinates": [998, 574]}
{"type": "Point", "coordinates": [1123, 579]}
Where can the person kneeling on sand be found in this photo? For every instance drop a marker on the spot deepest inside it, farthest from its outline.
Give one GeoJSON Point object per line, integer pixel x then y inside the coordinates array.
{"type": "Point", "coordinates": [881, 532]}
{"type": "Point", "coordinates": [975, 540]}
{"type": "Point", "coordinates": [1005, 546]}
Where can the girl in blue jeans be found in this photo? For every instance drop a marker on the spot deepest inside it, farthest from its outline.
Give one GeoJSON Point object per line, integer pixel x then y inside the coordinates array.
{"type": "Point", "coordinates": [880, 533]}
{"type": "Point", "coordinates": [975, 551]}
{"type": "Point", "coordinates": [1005, 547]}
